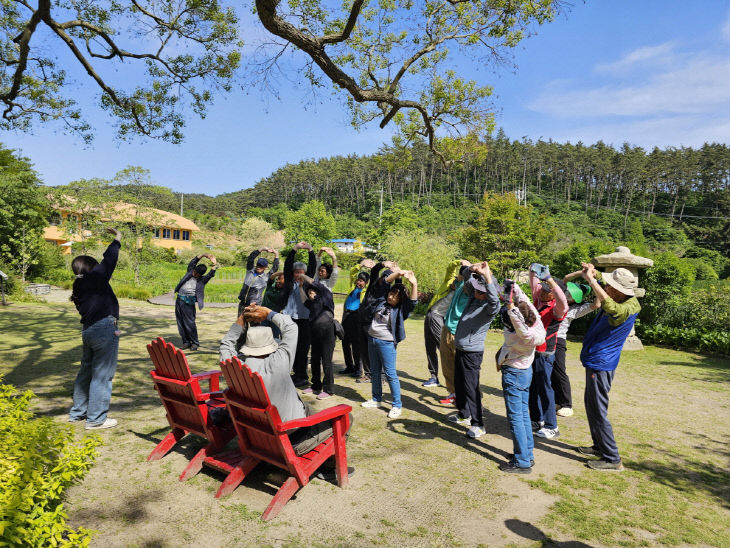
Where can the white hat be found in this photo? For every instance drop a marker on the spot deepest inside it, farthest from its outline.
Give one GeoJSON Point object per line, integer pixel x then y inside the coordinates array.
{"type": "Point", "coordinates": [622, 280]}
{"type": "Point", "coordinates": [259, 341]}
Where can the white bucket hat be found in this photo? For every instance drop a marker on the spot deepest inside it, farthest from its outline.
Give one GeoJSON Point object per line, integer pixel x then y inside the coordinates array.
{"type": "Point", "coordinates": [259, 341]}
{"type": "Point", "coordinates": [622, 280]}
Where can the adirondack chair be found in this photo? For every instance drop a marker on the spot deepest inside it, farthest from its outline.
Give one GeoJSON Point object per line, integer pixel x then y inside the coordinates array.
{"type": "Point", "coordinates": [262, 436]}
{"type": "Point", "coordinates": [187, 406]}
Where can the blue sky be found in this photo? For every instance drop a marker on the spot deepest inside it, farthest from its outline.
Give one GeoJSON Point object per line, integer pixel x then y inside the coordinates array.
{"type": "Point", "coordinates": [652, 73]}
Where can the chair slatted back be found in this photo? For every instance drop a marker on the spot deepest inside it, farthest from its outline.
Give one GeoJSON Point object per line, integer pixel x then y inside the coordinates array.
{"type": "Point", "coordinates": [254, 417]}
{"type": "Point", "coordinates": [178, 390]}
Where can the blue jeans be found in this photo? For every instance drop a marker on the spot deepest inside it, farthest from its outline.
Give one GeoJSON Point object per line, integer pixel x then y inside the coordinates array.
{"type": "Point", "coordinates": [382, 356]}
{"type": "Point", "coordinates": [93, 386]}
{"type": "Point", "coordinates": [542, 397]}
{"type": "Point", "coordinates": [516, 391]}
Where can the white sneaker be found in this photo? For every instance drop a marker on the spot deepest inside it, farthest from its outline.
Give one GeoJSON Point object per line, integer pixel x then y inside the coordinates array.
{"type": "Point", "coordinates": [458, 420]}
{"type": "Point", "coordinates": [371, 404]}
{"type": "Point", "coordinates": [395, 412]}
{"type": "Point", "coordinates": [108, 423]}
{"type": "Point", "coordinates": [536, 425]}
{"type": "Point", "coordinates": [548, 433]}
{"type": "Point", "coordinates": [565, 412]}
{"type": "Point", "coordinates": [475, 432]}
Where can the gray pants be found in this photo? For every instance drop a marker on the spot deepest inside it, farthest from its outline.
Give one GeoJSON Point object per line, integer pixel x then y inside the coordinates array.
{"type": "Point", "coordinates": [432, 325]}
{"type": "Point", "coordinates": [598, 384]}
{"type": "Point", "coordinates": [306, 439]}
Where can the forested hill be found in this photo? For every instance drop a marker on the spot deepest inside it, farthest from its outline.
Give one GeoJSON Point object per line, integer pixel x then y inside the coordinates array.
{"type": "Point", "coordinates": [686, 186]}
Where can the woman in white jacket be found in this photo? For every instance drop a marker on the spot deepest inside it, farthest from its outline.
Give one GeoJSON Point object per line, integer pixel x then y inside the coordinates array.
{"type": "Point", "coordinates": [523, 331]}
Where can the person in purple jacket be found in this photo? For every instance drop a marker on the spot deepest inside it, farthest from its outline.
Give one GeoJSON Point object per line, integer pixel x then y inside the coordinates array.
{"type": "Point", "coordinates": [99, 309]}
{"type": "Point", "coordinates": [600, 355]}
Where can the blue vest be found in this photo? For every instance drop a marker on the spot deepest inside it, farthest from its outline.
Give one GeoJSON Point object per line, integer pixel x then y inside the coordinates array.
{"type": "Point", "coordinates": [603, 342]}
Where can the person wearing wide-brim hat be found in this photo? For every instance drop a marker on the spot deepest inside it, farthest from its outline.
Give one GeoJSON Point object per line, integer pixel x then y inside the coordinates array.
{"type": "Point", "coordinates": [600, 355]}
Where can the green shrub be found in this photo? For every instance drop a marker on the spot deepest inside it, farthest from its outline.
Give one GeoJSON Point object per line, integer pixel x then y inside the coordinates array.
{"type": "Point", "coordinates": [40, 459]}
{"type": "Point", "coordinates": [670, 279]}
{"type": "Point", "coordinates": [130, 292]}
{"type": "Point", "coordinates": [686, 337]}
{"type": "Point", "coordinates": [49, 259]}
{"type": "Point", "coordinates": [703, 269]}
{"type": "Point", "coordinates": [568, 260]}
{"type": "Point", "coordinates": [12, 284]}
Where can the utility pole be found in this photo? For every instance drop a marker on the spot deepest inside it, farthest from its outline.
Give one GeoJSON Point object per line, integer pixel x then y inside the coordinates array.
{"type": "Point", "coordinates": [181, 204]}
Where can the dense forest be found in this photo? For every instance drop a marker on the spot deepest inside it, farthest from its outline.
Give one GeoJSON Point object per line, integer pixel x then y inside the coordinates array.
{"type": "Point", "coordinates": [688, 187]}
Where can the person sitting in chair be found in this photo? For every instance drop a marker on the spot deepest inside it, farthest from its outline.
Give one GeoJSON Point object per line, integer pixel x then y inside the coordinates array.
{"type": "Point", "coordinates": [273, 360]}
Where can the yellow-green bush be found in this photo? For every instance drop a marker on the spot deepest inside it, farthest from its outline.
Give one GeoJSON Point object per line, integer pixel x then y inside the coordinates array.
{"type": "Point", "coordinates": [40, 459]}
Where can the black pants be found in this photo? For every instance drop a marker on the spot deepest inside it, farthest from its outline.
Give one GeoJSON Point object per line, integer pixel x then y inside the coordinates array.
{"type": "Point", "coordinates": [432, 325]}
{"type": "Point", "coordinates": [467, 368]}
{"type": "Point", "coordinates": [598, 385]}
{"type": "Point", "coordinates": [351, 341]}
{"type": "Point", "coordinates": [185, 316]}
{"type": "Point", "coordinates": [323, 346]}
{"type": "Point", "coordinates": [304, 339]}
{"type": "Point", "coordinates": [364, 353]}
{"type": "Point", "coordinates": [559, 378]}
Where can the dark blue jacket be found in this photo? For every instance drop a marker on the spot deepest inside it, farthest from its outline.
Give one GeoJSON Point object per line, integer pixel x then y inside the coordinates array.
{"type": "Point", "coordinates": [603, 342]}
{"type": "Point", "coordinates": [398, 317]}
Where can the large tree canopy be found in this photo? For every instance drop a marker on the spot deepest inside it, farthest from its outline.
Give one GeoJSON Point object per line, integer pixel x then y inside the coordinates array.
{"type": "Point", "coordinates": [394, 59]}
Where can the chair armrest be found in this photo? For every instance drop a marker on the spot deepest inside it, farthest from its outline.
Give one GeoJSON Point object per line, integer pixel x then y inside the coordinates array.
{"type": "Point", "coordinates": [328, 414]}
{"type": "Point", "coordinates": [205, 396]}
{"type": "Point", "coordinates": [213, 376]}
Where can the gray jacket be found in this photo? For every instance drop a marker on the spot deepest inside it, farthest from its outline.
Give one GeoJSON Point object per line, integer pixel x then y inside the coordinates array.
{"type": "Point", "coordinates": [476, 319]}
{"type": "Point", "coordinates": [274, 368]}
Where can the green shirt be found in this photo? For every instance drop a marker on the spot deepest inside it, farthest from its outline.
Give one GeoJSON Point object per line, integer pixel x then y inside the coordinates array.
{"type": "Point", "coordinates": [618, 313]}
{"type": "Point", "coordinates": [456, 308]}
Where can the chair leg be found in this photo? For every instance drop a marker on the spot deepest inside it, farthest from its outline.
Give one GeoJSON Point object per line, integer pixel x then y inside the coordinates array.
{"type": "Point", "coordinates": [286, 492]}
{"type": "Point", "coordinates": [236, 476]}
{"type": "Point", "coordinates": [167, 443]}
{"type": "Point", "coordinates": [340, 454]}
{"type": "Point", "coordinates": [196, 463]}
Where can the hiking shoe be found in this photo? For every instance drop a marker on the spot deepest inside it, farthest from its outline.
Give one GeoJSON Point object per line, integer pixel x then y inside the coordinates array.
{"type": "Point", "coordinates": [346, 371]}
{"type": "Point", "coordinates": [74, 419]}
{"type": "Point", "coordinates": [307, 390]}
{"type": "Point", "coordinates": [364, 379]}
{"type": "Point", "coordinates": [448, 400]}
{"type": "Point", "coordinates": [194, 347]}
{"type": "Point", "coordinates": [108, 423]}
{"type": "Point", "coordinates": [395, 412]}
{"type": "Point", "coordinates": [548, 433]}
{"type": "Point", "coordinates": [455, 418]}
{"type": "Point", "coordinates": [565, 412]}
{"type": "Point", "coordinates": [300, 382]}
{"type": "Point", "coordinates": [433, 381]}
{"type": "Point", "coordinates": [605, 465]}
{"type": "Point", "coordinates": [514, 461]}
{"type": "Point", "coordinates": [323, 395]}
{"type": "Point", "coordinates": [590, 451]}
{"type": "Point", "coordinates": [475, 432]}
{"type": "Point", "coordinates": [512, 468]}
{"type": "Point", "coordinates": [371, 404]}
{"type": "Point", "coordinates": [185, 346]}
{"type": "Point", "coordinates": [536, 425]}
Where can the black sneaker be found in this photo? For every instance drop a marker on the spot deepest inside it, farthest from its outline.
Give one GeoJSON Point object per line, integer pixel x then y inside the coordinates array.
{"type": "Point", "coordinates": [346, 371]}
{"type": "Point", "coordinates": [590, 451]}
{"type": "Point", "coordinates": [433, 381]}
{"type": "Point", "coordinates": [193, 347]}
{"type": "Point", "coordinates": [512, 468]}
{"type": "Point", "coordinates": [185, 346]}
{"type": "Point", "coordinates": [329, 474]}
{"type": "Point", "coordinates": [514, 461]}
{"type": "Point", "coordinates": [605, 465]}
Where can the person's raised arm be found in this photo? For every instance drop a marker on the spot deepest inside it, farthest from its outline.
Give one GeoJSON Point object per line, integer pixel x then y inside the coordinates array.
{"type": "Point", "coordinates": [250, 261]}
{"type": "Point", "coordinates": [561, 302]}
{"type": "Point", "coordinates": [275, 266]}
{"type": "Point", "coordinates": [331, 253]}
{"type": "Point", "coordinates": [111, 255]}
{"type": "Point", "coordinates": [394, 275]}
{"type": "Point", "coordinates": [572, 276]}
{"type": "Point", "coordinates": [589, 275]}
{"type": "Point", "coordinates": [411, 277]}
{"type": "Point", "coordinates": [312, 264]}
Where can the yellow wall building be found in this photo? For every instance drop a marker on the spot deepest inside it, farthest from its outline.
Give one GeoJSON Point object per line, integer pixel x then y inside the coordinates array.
{"type": "Point", "coordinates": [168, 229]}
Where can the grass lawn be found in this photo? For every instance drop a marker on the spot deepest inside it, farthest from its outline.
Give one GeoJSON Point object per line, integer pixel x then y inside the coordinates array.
{"type": "Point", "coordinates": [418, 480]}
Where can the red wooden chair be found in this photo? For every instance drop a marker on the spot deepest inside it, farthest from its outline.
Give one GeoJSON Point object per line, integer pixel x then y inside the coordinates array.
{"type": "Point", "coordinates": [262, 436]}
{"type": "Point", "coordinates": [188, 407]}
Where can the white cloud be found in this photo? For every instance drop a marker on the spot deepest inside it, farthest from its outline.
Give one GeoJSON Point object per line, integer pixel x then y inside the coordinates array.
{"type": "Point", "coordinates": [701, 84]}
{"type": "Point", "coordinates": [661, 54]}
{"type": "Point", "coordinates": [726, 28]}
